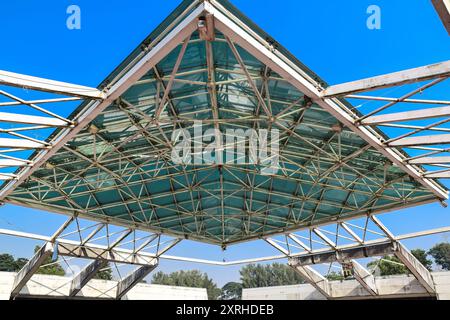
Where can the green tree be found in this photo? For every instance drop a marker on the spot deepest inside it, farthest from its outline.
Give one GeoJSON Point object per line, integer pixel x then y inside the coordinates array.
{"type": "Point", "coordinates": [7, 263]}
{"type": "Point", "coordinates": [191, 279]}
{"type": "Point", "coordinates": [421, 255]}
{"type": "Point", "coordinates": [271, 275]}
{"type": "Point", "coordinates": [104, 273]}
{"type": "Point", "coordinates": [391, 265]}
{"type": "Point", "coordinates": [441, 255]}
{"type": "Point", "coordinates": [388, 266]}
{"type": "Point", "coordinates": [50, 266]}
{"type": "Point", "coordinates": [335, 276]}
{"type": "Point", "coordinates": [20, 263]}
{"type": "Point", "coordinates": [231, 291]}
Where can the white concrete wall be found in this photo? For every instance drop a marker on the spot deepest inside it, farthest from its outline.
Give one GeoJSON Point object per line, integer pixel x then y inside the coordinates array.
{"type": "Point", "coordinates": [6, 284]}
{"type": "Point", "coordinates": [442, 285]}
{"type": "Point", "coordinates": [402, 286]}
{"type": "Point", "coordinates": [388, 287]}
{"type": "Point", "coordinates": [54, 286]}
{"type": "Point", "coordinates": [298, 292]}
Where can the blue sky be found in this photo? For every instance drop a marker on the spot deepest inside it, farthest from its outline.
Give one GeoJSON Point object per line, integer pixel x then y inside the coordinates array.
{"type": "Point", "coordinates": [329, 36]}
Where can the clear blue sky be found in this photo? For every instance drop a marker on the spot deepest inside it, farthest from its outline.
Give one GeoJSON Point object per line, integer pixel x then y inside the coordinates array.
{"type": "Point", "coordinates": [329, 36]}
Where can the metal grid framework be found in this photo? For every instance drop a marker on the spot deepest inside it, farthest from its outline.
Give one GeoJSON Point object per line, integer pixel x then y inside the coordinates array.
{"type": "Point", "coordinates": [111, 161]}
{"type": "Point", "coordinates": [334, 246]}
{"type": "Point", "coordinates": [101, 244]}
{"type": "Point", "coordinates": [27, 122]}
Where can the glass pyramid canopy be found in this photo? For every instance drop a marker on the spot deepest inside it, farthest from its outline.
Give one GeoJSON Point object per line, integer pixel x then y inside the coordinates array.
{"type": "Point", "coordinates": [206, 64]}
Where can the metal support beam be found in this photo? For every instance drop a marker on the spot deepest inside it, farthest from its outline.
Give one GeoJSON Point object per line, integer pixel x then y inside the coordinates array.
{"type": "Point", "coordinates": [364, 277]}
{"type": "Point", "coordinates": [439, 175]}
{"type": "Point", "coordinates": [374, 250]}
{"type": "Point", "coordinates": [322, 236]}
{"type": "Point", "coordinates": [30, 268]}
{"type": "Point", "coordinates": [313, 277]}
{"type": "Point", "coordinates": [294, 238]}
{"type": "Point", "coordinates": [274, 244]}
{"type": "Point", "coordinates": [29, 119]}
{"type": "Point", "coordinates": [104, 253]}
{"type": "Point", "coordinates": [165, 98]}
{"type": "Point", "coordinates": [133, 279]}
{"type": "Point", "coordinates": [4, 176]}
{"type": "Point", "coordinates": [437, 70]}
{"type": "Point", "coordinates": [34, 263]}
{"type": "Point", "coordinates": [417, 269]}
{"type": "Point", "coordinates": [408, 116]}
{"type": "Point", "coordinates": [157, 50]}
{"type": "Point", "coordinates": [85, 275]}
{"type": "Point", "coordinates": [206, 28]}
{"type": "Point", "coordinates": [145, 256]}
{"type": "Point", "coordinates": [40, 84]}
{"type": "Point", "coordinates": [4, 163]}
{"type": "Point", "coordinates": [443, 9]}
{"type": "Point", "coordinates": [422, 141]}
{"type": "Point", "coordinates": [382, 227]}
{"type": "Point", "coordinates": [276, 61]}
{"type": "Point", "coordinates": [430, 160]}
{"type": "Point", "coordinates": [20, 144]}
{"type": "Point", "coordinates": [351, 232]}
{"type": "Point", "coordinates": [397, 100]}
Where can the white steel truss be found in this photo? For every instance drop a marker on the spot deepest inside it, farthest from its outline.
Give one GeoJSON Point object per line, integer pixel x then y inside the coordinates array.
{"type": "Point", "coordinates": [22, 129]}
{"type": "Point", "coordinates": [156, 51]}
{"type": "Point", "coordinates": [102, 243]}
{"type": "Point", "coordinates": [97, 242]}
{"type": "Point", "coordinates": [235, 34]}
{"type": "Point", "coordinates": [305, 247]}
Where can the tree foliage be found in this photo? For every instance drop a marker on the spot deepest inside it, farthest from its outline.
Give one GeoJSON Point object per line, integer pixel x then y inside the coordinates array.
{"type": "Point", "coordinates": [441, 255]}
{"type": "Point", "coordinates": [335, 276]}
{"type": "Point", "coordinates": [191, 279]}
{"type": "Point", "coordinates": [271, 275]}
{"type": "Point", "coordinates": [388, 266]}
{"type": "Point", "coordinates": [20, 263]}
{"type": "Point", "coordinates": [104, 273]}
{"type": "Point", "coordinates": [9, 264]}
{"type": "Point", "coordinates": [391, 265]}
{"type": "Point", "coordinates": [50, 266]}
{"type": "Point", "coordinates": [231, 291]}
{"type": "Point", "coordinates": [421, 255]}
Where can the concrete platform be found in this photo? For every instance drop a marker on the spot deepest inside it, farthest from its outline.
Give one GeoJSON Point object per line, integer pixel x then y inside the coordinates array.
{"type": "Point", "coordinates": [54, 287]}
{"type": "Point", "coordinates": [392, 287]}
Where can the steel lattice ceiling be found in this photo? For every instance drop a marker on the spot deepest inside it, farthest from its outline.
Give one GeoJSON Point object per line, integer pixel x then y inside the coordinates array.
{"type": "Point", "coordinates": [119, 169]}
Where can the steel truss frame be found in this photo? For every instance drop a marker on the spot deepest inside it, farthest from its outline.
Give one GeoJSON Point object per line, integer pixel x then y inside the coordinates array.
{"type": "Point", "coordinates": [22, 128]}
{"type": "Point", "coordinates": [101, 243]}
{"type": "Point", "coordinates": [427, 146]}
{"type": "Point", "coordinates": [342, 242]}
{"type": "Point", "coordinates": [235, 33]}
